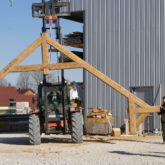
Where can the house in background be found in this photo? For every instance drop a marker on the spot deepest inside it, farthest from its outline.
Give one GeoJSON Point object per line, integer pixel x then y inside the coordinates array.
{"type": "Point", "coordinates": [13, 101]}
{"type": "Point", "coordinates": [26, 92]}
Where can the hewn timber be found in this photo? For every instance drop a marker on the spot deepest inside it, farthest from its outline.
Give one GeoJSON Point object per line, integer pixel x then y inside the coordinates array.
{"type": "Point", "coordinates": [45, 56]}
{"type": "Point", "coordinates": [58, 66]}
{"type": "Point", "coordinates": [153, 109]}
{"type": "Point", "coordinates": [131, 116]}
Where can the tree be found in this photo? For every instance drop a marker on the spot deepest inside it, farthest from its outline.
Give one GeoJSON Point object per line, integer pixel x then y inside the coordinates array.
{"type": "Point", "coordinates": [37, 77]}
{"type": "Point", "coordinates": [33, 79]}
{"type": "Point", "coordinates": [11, 2]}
{"type": "Point", "coordinates": [3, 82]}
{"type": "Point", "coordinates": [52, 77]}
{"type": "Point", "coordinates": [24, 80]}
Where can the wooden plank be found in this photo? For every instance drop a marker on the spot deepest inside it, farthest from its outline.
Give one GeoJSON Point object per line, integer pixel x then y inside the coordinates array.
{"type": "Point", "coordinates": [20, 58]}
{"type": "Point", "coordinates": [132, 118]}
{"type": "Point", "coordinates": [58, 66]}
{"type": "Point", "coordinates": [154, 109]}
{"type": "Point", "coordinates": [45, 56]}
{"type": "Point", "coordinates": [75, 45]}
{"type": "Point", "coordinates": [96, 72]}
{"type": "Point", "coordinates": [74, 39]}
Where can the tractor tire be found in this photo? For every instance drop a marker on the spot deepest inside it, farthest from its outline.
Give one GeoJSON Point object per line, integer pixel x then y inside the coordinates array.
{"type": "Point", "coordinates": [77, 127]}
{"type": "Point", "coordinates": [34, 130]}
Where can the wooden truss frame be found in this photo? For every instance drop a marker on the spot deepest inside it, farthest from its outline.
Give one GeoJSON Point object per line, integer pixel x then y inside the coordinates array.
{"type": "Point", "coordinates": [138, 110]}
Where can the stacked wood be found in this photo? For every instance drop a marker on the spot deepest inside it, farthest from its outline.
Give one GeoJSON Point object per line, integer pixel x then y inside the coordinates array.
{"type": "Point", "coordinates": [99, 113]}
{"type": "Point", "coordinates": [74, 39]}
{"type": "Point", "coordinates": [66, 59]}
{"type": "Point", "coordinates": [99, 121]}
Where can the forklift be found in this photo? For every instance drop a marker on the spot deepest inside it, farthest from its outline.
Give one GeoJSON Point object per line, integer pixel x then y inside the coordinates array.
{"type": "Point", "coordinates": [56, 113]}
{"type": "Point", "coordinates": [51, 118]}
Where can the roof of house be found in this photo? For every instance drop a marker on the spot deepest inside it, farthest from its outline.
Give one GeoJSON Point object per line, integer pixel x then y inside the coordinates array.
{"type": "Point", "coordinates": [7, 92]}
{"type": "Point", "coordinates": [23, 91]}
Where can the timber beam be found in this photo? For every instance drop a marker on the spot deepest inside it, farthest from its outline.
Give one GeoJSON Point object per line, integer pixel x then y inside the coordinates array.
{"type": "Point", "coordinates": [151, 109]}
{"type": "Point", "coordinates": [131, 116]}
{"type": "Point", "coordinates": [58, 66]}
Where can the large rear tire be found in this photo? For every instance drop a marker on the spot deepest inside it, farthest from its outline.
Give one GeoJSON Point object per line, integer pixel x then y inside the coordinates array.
{"type": "Point", "coordinates": [34, 130]}
{"type": "Point", "coordinates": [77, 127]}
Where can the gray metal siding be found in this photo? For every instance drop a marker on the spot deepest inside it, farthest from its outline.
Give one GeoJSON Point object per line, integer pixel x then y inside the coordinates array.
{"type": "Point", "coordinates": [125, 40]}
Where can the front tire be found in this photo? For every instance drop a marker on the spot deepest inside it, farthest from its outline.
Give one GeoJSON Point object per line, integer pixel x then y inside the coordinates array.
{"type": "Point", "coordinates": [77, 127]}
{"type": "Point", "coordinates": [34, 130]}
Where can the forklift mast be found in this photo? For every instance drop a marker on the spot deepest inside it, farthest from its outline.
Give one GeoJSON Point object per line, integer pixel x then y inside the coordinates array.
{"type": "Point", "coordinates": [49, 12]}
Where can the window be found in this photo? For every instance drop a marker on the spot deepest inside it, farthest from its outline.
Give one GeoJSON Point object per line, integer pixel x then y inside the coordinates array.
{"type": "Point", "coordinates": [11, 99]}
{"type": "Point", "coordinates": [12, 102]}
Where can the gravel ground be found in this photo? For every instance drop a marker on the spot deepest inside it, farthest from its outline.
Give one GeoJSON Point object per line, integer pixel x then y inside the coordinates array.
{"type": "Point", "coordinates": [96, 150]}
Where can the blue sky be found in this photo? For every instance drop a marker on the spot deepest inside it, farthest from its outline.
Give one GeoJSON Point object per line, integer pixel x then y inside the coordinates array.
{"type": "Point", "coordinates": [18, 29]}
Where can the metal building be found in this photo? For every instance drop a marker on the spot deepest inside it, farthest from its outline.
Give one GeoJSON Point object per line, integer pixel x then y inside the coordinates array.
{"type": "Point", "coordinates": [125, 40]}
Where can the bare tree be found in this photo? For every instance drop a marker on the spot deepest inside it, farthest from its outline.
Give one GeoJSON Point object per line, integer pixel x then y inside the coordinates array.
{"type": "Point", "coordinates": [33, 79]}
{"type": "Point", "coordinates": [52, 77]}
{"type": "Point", "coordinates": [37, 77]}
{"type": "Point", "coordinates": [24, 80]}
{"type": "Point", "coordinates": [3, 82]}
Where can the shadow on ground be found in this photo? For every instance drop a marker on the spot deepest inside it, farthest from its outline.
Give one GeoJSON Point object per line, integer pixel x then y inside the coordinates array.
{"type": "Point", "coordinates": [139, 154]}
{"type": "Point", "coordinates": [14, 140]}
{"type": "Point", "coordinates": [25, 140]}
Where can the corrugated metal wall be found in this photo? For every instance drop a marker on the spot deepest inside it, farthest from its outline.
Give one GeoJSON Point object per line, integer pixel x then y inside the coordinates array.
{"type": "Point", "coordinates": [125, 40]}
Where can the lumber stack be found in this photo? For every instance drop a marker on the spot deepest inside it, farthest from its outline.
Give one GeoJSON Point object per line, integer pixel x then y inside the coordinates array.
{"type": "Point", "coordinates": [66, 59]}
{"type": "Point", "coordinates": [99, 122]}
{"type": "Point", "coordinates": [99, 113]}
{"type": "Point", "coordinates": [74, 39]}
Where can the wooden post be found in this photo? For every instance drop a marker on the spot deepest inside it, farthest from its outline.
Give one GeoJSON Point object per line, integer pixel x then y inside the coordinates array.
{"type": "Point", "coordinates": [131, 116]}
{"type": "Point", "coordinates": [45, 56]}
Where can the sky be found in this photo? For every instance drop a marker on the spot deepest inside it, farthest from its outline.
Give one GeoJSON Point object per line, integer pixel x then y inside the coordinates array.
{"type": "Point", "coordinates": [18, 29]}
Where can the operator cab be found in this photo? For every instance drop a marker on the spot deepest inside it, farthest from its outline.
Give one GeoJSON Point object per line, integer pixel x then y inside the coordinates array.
{"type": "Point", "coordinates": [50, 99]}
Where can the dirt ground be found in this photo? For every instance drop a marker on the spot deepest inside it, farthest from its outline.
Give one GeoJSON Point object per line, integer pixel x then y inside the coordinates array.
{"type": "Point", "coordinates": [96, 150]}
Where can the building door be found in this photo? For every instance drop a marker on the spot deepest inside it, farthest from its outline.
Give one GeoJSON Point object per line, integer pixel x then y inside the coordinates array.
{"type": "Point", "coordinates": [146, 94]}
